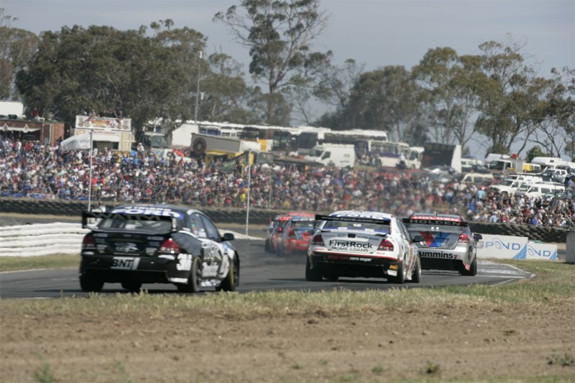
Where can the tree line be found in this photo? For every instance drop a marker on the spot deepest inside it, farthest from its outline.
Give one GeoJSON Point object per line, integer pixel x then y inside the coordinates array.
{"type": "Point", "coordinates": [157, 71]}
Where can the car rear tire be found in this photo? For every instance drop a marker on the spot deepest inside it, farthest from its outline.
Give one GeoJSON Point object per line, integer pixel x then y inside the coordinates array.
{"type": "Point", "coordinates": [312, 274]}
{"type": "Point", "coordinates": [193, 285]}
{"type": "Point", "coordinates": [132, 286]}
{"type": "Point", "coordinates": [472, 269]}
{"type": "Point", "coordinates": [400, 278]}
{"type": "Point", "coordinates": [91, 284]}
{"type": "Point", "coordinates": [416, 274]}
{"type": "Point", "coordinates": [232, 280]}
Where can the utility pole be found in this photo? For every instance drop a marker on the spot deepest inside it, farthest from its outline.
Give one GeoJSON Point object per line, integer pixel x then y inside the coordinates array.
{"type": "Point", "coordinates": [249, 170]}
{"type": "Point", "coordinates": [198, 86]}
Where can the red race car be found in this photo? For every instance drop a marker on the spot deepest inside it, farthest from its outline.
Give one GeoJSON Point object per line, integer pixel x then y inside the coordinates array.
{"type": "Point", "coordinates": [295, 235]}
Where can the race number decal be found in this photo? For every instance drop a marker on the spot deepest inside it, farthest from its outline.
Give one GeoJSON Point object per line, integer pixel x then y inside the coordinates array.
{"type": "Point", "coordinates": [125, 263]}
{"type": "Point", "coordinates": [184, 262]}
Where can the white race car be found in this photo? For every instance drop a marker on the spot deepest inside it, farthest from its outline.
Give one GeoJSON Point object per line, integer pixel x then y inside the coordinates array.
{"type": "Point", "coordinates": [362, 244]}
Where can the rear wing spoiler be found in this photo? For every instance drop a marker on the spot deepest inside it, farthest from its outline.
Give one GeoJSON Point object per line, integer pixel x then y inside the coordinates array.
{"type": "Point", "coordinates": [87, 215]}
{"type": "Point", "coordinates": [434, 221]}
{"type": "Point", "coordinates": [319, 217]}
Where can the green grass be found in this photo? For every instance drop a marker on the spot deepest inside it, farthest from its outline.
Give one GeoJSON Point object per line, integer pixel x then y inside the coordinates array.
{"type": "Point", "coordinates": [552, 281]}
{"type": "Point", "coordinates": [59, 261]}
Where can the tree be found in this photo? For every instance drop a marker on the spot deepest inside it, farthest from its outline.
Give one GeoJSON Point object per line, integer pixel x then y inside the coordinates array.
{"type": "Point", "coordinates": [334, 88]}
{"type": "Point", "coordinates": [510, 97]}
{"type": "Point", "coordinates": [336, 83]}
{"type": "Point", "coordinates": [98, 70]}
{"type": "Point", "coordinates": [535, 151]}
{"type": "Point", "coordinates": [385, 99]}
{"type": "Point", "coordinates": [556, 133]}
{"type": "Point", "coordinates": [278, 35]}
{"type": "Point", "coordinates": [186, 47]}
{"type": "Point", "coordinates": [303, 87]}
{"type": "Point", "coordinates": [447, 83]}
{"type": "Point", "coordinates": [17, 47]}
{"type": "Point", "coordinates": [228, 93]}
{"type": "Point", "coordinates": [110, 72]}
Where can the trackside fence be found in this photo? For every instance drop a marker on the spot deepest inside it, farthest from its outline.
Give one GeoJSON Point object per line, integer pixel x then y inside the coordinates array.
{"type": "Point", "coordinates": [41, 239]}
{"type": "Point", "coordinates": [263, 216]}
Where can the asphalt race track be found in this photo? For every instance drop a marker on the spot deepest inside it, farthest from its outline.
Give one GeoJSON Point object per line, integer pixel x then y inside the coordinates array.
{"type": "Point", "coordinates": [260, 271]}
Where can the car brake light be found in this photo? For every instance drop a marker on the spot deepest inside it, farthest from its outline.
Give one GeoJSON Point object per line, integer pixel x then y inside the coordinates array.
{"type": "Point", "coordinates": [169, 246]}
{"type": "Point", "coordinates": [317, 240]}
{"type": "Point", "coordinates": [385, 245]}
{"type": "Point", "coordinates": [88, 242]}
{"type": "Point", "coordinates": [463, 238]}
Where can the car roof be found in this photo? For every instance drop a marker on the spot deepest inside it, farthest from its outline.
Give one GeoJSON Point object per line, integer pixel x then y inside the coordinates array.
{"type": "Point", "coordinates": [135, 208]}
{"type": "Point", "coordinates": [438, 217]}
{"type": "Point", "coordinates": [362, 214]}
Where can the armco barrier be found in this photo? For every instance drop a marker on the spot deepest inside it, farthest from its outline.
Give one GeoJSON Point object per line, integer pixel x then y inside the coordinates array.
{"type": "Point", "coordinates": [75, 208]}
{"type": "Point", "coordinates": [41, 239]}
{"type": "Point", "coordinates": [262, 216]}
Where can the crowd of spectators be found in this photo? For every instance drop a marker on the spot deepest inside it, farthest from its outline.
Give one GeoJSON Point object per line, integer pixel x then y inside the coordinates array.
{"type": "Point", "coordinates": [29, 169]}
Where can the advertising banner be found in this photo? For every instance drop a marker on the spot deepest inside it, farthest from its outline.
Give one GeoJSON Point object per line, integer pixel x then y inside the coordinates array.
{"type": "Point", "coordinates": [541, 251]}
{"type": "Point", "coordinates": [511, 247]}
{"type": "Point", "coordinates": [502, 246]}
{"type": "Point", "coordinates": [95, 122]}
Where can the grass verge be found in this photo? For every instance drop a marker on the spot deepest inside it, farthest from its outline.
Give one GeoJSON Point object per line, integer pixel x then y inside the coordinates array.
{"type": "Point", "coordinates": [554, 282]}
{"type": "Point", "coordinates": [553, 285]}
{"type": "Point", "coordinates": [57, 261]}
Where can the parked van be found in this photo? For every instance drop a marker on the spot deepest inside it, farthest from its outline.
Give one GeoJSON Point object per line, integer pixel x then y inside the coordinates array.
{"type": "Point", "coordinates": [547, 162]}
{"type": "Point", "coordinates": [468, 164]}
{"type": "Point", "coordinates": [511, 186]}
{"type": "Point", "coordinates": [340, 155]}
{"type": "Point", "coordinates": [478, 178]}
{"type": "Point", "coordinates": [540, 190]}
{"type": "Point", "coordinates": [554, 175]}
{"type": "Point", "coordinates": [531, 168]}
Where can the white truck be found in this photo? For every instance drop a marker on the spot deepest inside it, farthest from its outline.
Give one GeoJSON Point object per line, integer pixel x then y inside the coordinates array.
{"type": "Point", "coordinates": [339, 155]}
{"type": "Point", "coordinates": [14, 109]}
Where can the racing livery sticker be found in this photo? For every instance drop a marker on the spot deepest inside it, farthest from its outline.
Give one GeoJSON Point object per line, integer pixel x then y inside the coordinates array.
{"type": "Point", "coordinates": [338, 244]}
{"type": "Point", "coordinates": [125, 263]}
{"type": "Point", "coordinates": [434, 239]}
{"type": "Point", "coordinates": [436, 254]}
{"type": "Point", "coordinates": [184, 262]}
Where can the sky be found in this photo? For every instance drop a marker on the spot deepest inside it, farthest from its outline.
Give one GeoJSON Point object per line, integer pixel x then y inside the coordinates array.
{"type": "Point", "coordinates": [375, 33]}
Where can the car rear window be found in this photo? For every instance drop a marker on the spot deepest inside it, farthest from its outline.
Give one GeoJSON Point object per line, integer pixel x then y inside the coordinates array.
{"type": "Point", "coordinates": [303, 225]}
{"type": "Point", "coordinates": [357, 226]}
{"type": "Point", "coordinates": [134, 222]}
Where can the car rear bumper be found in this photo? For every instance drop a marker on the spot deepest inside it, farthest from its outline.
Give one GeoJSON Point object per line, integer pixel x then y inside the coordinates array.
{"type": "Point", "coordinates": [347, 265]}
{"type": "Point", "coordinates": [442, 259]}
{"type": "Point", "coordinates": [117, 269]}
{"type": "Point", "coordinates": [296, 246]}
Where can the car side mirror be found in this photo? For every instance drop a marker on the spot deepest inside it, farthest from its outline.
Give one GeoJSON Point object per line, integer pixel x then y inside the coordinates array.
{"type": "Point", "coordinates": [228, 237]}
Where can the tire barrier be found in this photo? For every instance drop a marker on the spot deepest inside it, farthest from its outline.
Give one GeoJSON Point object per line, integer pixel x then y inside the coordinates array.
{"type": "Point", "coordinates": [534, 233]}
{"type": "Point", "coordinates": [262, 216]}
{"type": "Point", "coordinates": [75, 208]}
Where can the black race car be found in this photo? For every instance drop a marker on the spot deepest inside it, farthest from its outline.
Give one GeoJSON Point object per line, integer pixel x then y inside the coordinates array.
{"type": "Point", "coordinates": [136, 244]}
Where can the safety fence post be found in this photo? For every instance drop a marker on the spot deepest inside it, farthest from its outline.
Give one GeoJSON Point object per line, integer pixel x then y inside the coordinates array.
{"type": "Point", "coordinates": [570, 247]}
